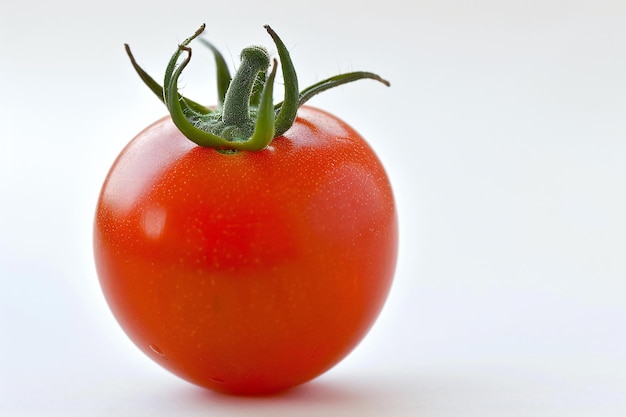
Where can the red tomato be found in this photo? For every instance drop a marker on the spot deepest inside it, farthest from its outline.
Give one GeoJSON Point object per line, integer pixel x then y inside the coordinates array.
{"type": "Point", "coordinates": [247, 272]}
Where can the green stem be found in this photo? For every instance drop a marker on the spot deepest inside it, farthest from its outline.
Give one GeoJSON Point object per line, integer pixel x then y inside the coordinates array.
{"type": "Point", "coordinates": [288, 111]}
{"type": "Point", "coordinates": [181, 112]}
{"type": "Point", "coordinates": [223, 73]}
{"type": "Point", "coordinates": [246, 118]}
{"type": "Point", "coordinates": [264, 126]}
{"type": "Point", "coordinates": [236, 111]}
{"type": "Point", "coordinates": [156, 88]}
{"type": "Point", "coordinates": [337, 80]}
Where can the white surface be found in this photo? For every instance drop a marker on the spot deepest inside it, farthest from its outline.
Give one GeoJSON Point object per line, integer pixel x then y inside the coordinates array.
{"type": "Point", "coordinates": [504, 134]}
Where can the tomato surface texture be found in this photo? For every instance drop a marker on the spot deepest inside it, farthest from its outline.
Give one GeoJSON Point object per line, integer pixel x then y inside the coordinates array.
{"type": "Point", "coordinates": [247, 272]}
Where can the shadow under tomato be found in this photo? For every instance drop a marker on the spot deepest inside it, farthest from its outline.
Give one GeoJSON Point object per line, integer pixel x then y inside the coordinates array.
{"type": "Point", "coordinates": [321, 395]}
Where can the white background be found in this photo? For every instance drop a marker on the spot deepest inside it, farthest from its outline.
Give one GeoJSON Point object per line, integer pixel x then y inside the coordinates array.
{"type": "Point", "coordinates": [504, 135]}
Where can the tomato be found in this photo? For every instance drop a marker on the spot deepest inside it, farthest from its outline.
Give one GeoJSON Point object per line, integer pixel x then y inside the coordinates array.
{"type": "Point", "coordinates": [247, 272]}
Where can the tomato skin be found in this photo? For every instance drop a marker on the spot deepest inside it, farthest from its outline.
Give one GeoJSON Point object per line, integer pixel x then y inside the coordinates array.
{"type": "Point", "coordinates": [248, 272]}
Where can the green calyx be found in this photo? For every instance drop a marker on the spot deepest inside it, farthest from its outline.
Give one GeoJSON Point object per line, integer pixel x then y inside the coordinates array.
{"type": "Point", "coordinates": [246, 117]}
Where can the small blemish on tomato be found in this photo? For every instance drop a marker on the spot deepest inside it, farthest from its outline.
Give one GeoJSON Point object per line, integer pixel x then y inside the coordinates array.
{"type": "Point", "coordinates": [217, 380]}
{"type": "Point", "coordinates": [158, 351]}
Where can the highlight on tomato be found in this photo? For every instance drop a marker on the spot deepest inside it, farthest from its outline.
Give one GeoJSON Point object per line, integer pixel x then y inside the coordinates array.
{"type": "Point", "coordinates": [248, 246]}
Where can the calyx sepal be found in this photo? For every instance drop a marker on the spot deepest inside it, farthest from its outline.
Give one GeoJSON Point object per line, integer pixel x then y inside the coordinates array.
{"type": "Point", "coordinates": [246, 117]}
